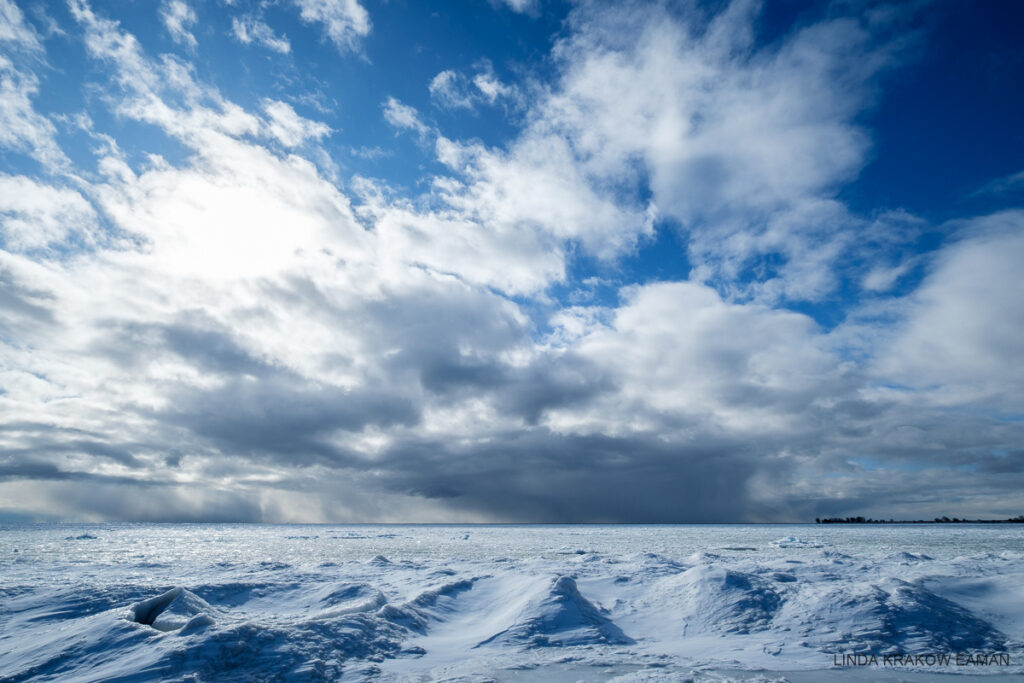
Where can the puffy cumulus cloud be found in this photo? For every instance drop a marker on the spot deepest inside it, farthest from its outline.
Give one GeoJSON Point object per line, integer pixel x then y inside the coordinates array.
{"type": "Point", "coordinates": [680, 350]}
{"type": "Point", "coordinates": [507, 220]}
{"type": "Point", "coordinates": [344, 21]}
{"type": "Point", "coordinates": [234, 336]}
{"type": "Point", "coordinates": [960, 335]}
{"type": "Point", "coordinates": [237, 213]}
{"type": "Point", "coordinates": [178, 16]}
{"type": "Point", "coordinates": [538, 184]}
{"type": "Point", "coordinates": [743, 144]}
{"type": "Point", "coordinates": [250, 29]}
{"type": "Point", "coordinates": [683, 118]}
{"type": "Point", "coordinates": [511, 260]}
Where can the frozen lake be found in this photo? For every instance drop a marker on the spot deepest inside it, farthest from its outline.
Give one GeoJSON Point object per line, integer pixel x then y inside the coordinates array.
{"type": "Point", "coordinates": [510, 603]}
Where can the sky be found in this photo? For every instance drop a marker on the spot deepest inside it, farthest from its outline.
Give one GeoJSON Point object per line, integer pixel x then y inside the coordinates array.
{"type": "Point", "coordinates": [510, 261]}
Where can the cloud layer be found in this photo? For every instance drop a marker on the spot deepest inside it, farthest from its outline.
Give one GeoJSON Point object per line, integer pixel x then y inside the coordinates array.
{"type": "Point", "coordinates": [238, 332]}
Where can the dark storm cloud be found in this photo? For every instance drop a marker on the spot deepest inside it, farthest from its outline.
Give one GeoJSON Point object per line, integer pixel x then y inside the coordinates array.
{"type": "Point", "coordinates": [538, 475]}
{"type": "Point", "coordinates": [44, 427]}
{"type": "Point", "coordinates": [194, 338]}
{"type": "Point", "coordinates": [116, 452]}
{"type": "Point", "coordinates": [548, 382]}
{"type": "Point", "coordinates": [283, 416]}
{"type": "Point", "coordinates": [552, 382]}
{"type": "Point", "coordinates": [453, 345]}
{"type": "Point", "coordinates": [169, 502]}
{"type": "Point", "coordinates": [36, 438]}
{"type": "Point", "coordinates": [16, 468]}
{"type": "Point", "coordinates": [210, 349]}
{"type": "Point", "coordinates": [449, 340]}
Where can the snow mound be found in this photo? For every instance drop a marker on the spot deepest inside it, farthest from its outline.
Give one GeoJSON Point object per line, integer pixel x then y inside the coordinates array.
{"type": "Point", "coordinates": [918, 618]}
{"type": "Point", "coordinates": [715, 599]}
{"type": "Point", "coordinates": [891, 616]}
{"type": "Point", "coordinates": [265, 651]}
{"type": "Point", "coordinates": [561, 616]}
{"type": "Point", "coordinates": [435, 604]}
{"type": "Point", "coordinates": [351, 599]}
{"type": "Point", "coordinates": [430, 598]}
{"type": "Point", "coordinates": [177, 609]}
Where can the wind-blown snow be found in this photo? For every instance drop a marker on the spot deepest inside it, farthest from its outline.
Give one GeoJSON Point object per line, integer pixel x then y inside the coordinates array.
{"type": "Point", "coordinates": [224, 602]}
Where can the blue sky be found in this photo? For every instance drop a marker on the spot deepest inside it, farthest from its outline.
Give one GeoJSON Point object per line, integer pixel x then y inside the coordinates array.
{"type": "Point", "coordinates": [339, 260]}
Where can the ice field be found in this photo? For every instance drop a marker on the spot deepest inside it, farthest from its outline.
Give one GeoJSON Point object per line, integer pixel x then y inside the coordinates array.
{"type": "Point", "coordinates": [509, 603]}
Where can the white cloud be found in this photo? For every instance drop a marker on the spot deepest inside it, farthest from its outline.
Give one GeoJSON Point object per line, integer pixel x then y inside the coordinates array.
{"type": "Point", "coordinates": [345, 21]}
{"type": "Point", "coordinates": [961, 342]}
{"type": "Point", "coordinates": [178, 16]}
{"type": "Point", "coordinates": [447, 88]}
{"type": "Point", "coordinates": [511, 259]}
{"type": "Point", "coordinates": [35, 216]}
{"type": "Point", "coordinates": [1005, 185]}
{"type": "Point", "coordinates": [22, 128]}
{"type": "Point", "coordinates": [489, 85]}
{"type": "Point", "coordinates": [539, 184]}
{"type": "Point", "coordinates": [685, 356]}
{"type": "Point", "coordinates": [521, 6]}
{"type": "Point", "coordinates": [250, 29]}
{"type": "Point", "coordinates": [504, 218]}
{"type": "Point", "coordinates": [290, 129]}
{"type": "Point", "coordinates": [403, 117]}
{"type": "Point", "coordinates": [239, 212]}
{"type": "Point", "coordinates": [452, 90]}
{"type": "Point", "coordinates": [203, 117]}
{"type": "Point", "coordinates": [743, 147]}
{"type": "Point", "coordinates": [884, 278]}
{"type": "Point", "coordinates": [14, 31]}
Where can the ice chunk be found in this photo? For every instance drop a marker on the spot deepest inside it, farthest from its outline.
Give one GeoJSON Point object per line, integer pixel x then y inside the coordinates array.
{"type": "Point", "coordinates": [172, 610]}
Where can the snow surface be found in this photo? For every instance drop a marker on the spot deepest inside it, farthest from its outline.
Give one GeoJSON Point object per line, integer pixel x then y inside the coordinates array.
{"type": "Point", "coordinates": [504, 603]}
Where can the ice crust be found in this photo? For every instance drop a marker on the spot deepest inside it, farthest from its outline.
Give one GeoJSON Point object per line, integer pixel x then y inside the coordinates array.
{"type": "Point", "coordinates": [728, 612]}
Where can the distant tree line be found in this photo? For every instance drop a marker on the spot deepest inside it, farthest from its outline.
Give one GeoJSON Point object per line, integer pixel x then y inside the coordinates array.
{"type": "Point", "coordinates": [938, 520]}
